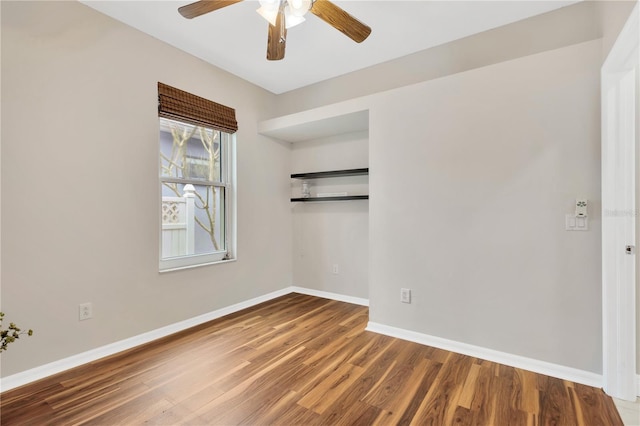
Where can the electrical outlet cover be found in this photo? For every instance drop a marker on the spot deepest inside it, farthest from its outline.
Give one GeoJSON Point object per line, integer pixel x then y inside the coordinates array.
{"type": "Point", "coordinates": [85, 311]}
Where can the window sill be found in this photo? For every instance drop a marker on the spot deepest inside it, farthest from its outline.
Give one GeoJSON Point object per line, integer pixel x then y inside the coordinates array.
{"type": "Point", "coordinates": [180, 268]}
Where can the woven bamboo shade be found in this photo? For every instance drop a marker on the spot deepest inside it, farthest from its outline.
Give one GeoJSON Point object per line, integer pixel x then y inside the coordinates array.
{"type": "Point", "coordinates": [179, 105]}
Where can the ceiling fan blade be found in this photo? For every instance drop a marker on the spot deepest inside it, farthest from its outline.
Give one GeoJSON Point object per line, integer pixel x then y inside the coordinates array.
{"type": "Point", "coordinates": [277, 39]}
{"type": "Point", "coordinates": [341, 20]}
{"type": "Point", "coordinates": [204, 6]}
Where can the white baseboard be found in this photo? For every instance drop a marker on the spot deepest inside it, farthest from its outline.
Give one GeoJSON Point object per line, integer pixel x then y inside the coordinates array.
{"type": "Point", "coordinates": [328, 295]}
{"type": "Point", "coordinates": [537, 366]}
{"type": "Point", "coordinates": [55, 367]}
{"type": "Point", "coordinates": [638, 377]}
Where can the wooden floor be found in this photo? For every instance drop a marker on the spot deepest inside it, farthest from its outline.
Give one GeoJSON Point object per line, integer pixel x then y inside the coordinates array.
{"type": "Point", "coordinates": [300, 360]}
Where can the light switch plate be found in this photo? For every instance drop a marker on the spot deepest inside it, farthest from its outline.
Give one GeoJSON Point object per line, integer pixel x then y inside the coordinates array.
{"type": "Point", "coordinates": [573, 223]}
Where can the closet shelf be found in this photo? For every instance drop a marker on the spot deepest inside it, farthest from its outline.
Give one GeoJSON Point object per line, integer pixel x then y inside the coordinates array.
{"type": "Point", "coordinates": [334, 173]}
{"type": "Point", "coordinates": [331, 174]}
{"type": "Point", "coordinates": [339, 198]}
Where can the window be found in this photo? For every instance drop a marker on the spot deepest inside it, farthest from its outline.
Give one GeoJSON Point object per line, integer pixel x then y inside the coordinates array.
{"type": "Point", "coordinates": [196, 186]}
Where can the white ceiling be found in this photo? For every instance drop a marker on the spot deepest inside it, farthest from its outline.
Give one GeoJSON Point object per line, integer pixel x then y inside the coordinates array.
{"type": "Point", "coordinates": [235, 38]}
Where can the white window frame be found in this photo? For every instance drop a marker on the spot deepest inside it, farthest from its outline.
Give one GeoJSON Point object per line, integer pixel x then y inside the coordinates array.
{"type": "Point", "coordinates": [228, 179]}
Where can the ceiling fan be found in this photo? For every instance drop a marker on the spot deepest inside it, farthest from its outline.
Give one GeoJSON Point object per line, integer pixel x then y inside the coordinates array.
{"type": "Point", "coordinates": [284, 14]}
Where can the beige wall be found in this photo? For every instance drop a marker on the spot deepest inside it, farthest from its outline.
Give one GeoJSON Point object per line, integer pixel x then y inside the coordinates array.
{"type": "Point", "coordinates": [472, 203]}
{"type": "Point", "coordinates": [80, 191]}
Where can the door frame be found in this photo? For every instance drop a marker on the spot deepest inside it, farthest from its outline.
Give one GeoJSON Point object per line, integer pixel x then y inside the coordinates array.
{"type": "Point", "coordinates": [619, 137]}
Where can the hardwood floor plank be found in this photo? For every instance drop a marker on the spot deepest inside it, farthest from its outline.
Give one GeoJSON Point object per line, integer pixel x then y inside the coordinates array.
{"type": "Point", "coordinates": [192, 402]}
{"type": "Point", "coordinates": [175, 415]}
{"type": "Point", "coordinates": [387, 391]}
{"type": "Point", "coordinates": [86, 408]}
{"type": "Point", "coordinates": [529, 397]}
{"type": "Point", "coordinates": [349, 407]}
{"type": "Point", "coordinates": [381, 380]}
{"type": "Point", "coordinates": [397, 393]}
{"type": "Point", "coordinates": [591, 407]}
{"type": "Point", "coordinates": [577, 409]}
{"type": "Point", "coordinates": [555, 404]}
{"type": "Point", "coordinates": [426, 382]}
{"type": "Point", "coordinates": [322, 368]}
{"type": "Point", "coordinates": [359, 414]}
{"type": "Point", "coordinates": [462, 417]}
{"type": "Point", "coordinates": [25, 404]}
{"type": "Point", "coordinates": [440, 403]}
{"type": "Point", "coordinates": [331, 388]}
{"type": "Point", "coordinates": [270, 413]}
{"type": "Point", "coordinates": [190, 384]}
{"type": "Point", "coordinates": [246, 405]}
{"type": "Point", "coordinates": [136, 411]}
{"type": "Point", "coordinates": [355, 320]}
{"type": "Point", "coordinates": [236, 390]}
{"type": "Point", "coordinates": [506, 411]}
{"type": "Point", "coordinates": [482, 405]}
{"type": "Point", "coordinates": [437, 354]}
{"type": "Point", "coordinates": [33, 413]}
{"type": "Point", "coordinates": [378, 347]}
{"type": "Point", "coordinates": [256, 368]}
{"type": "Point", "coordinates": [300, 360]}
{"type": "Point", "coordinates": [297, 415]}
{"type": "Point", "coordinates": [468, 389]}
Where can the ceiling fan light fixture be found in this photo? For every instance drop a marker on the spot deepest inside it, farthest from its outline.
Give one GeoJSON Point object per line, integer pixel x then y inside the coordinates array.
{"type": "Point", "coordinates": [270, 14]}
{"type": "Point", "coordinates": [299, 7]}
{"type": "Point", "coordinates": [290, 19]}
{"type": "Point", "coordinates": [270, 4]}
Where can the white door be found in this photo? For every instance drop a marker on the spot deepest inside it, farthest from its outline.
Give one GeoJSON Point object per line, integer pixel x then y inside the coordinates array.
{"type": "Point", "coordinates": [619, 136]}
